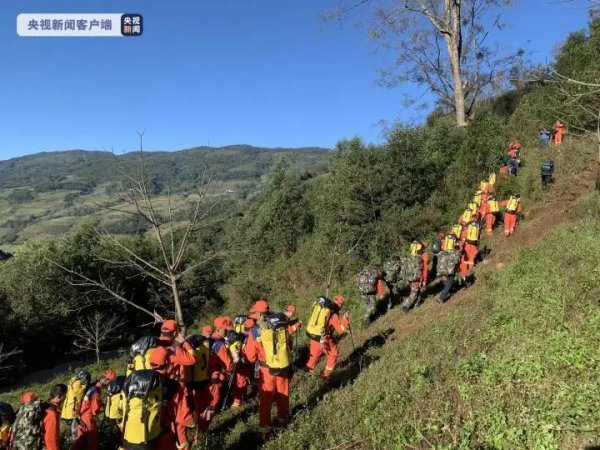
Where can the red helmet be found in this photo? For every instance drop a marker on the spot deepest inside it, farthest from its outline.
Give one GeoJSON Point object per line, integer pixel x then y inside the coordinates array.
{"type": "Point", "coordinates": [159, 357]}
{"type": "Point", "coordinates": [339, 300]}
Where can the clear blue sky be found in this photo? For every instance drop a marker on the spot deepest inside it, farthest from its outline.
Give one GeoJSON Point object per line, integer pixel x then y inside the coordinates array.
{"type": "Point", "coordinates": [261, 72]}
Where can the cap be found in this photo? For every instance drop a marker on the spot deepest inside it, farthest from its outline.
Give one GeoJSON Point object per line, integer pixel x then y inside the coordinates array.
{"type": "Point", "coordinates": [291, 309]}
{"type": "Point", "coordinates": [169, 326]}
{"type": "Point", "coordinates": [109, 374]}
{"type": "Point", "coordinates": [249, 323]}
{"type": "Point", "coordinates": [223, 322]}
{"type": "Point", "coordinates": [159, 356]}
{"type": "Point", "coordinates": [28, 397]}
{"type": "Point", "coordinates": [339, 300]}
{"type": "Point", "coordinates": [260, 306]}
{"type": "Point", "coordinates": [207, 329]}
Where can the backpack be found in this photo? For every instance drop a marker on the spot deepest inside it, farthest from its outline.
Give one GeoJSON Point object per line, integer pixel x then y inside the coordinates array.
{"type": "Point", "coordinates": [234, 341]}
{"type": "Point", "coordinates": [367, 281]}
{"type": "Point", "coordinates": [548, 167]}
{"type": "Point", "coordinates": [436, 245]}
{"type": "Point", "coordinates": [113, 398]}
{"type": "Point", "coordinates": [512, 205]}
{"type": "Point", "coordinates": [412, 268]}
{"type": "Point", "coordinates": [457, 230]}
{"type": "Point", "coordinates": [467, 216]}
{"type": "Point", "coordinates": [274, 338]}
{"type": "Point", "coordinates": [449, 242]}
{"type": "Point", "coordinates": [447, 261]}
{"type": "Point", "coordinates": [321, 312]}
{"type": "Point", "coordinates": [477, 200]}
{"type": "Point", "coordinates": [512, 165]}
{"type": "Point", "coordinates": [142, 405]}
{"type": "Point", "coordinates": [27, 429]}
{"type": "Point", "coordinates": [75, 392]}
{"type": "Point", "coordinates": [473, 232]}
{"type": "Point", "coordinates": [494, 206]}
{"type": "Point", "coordinates": [198, 373]}
{"type": "Point", "coordinates": [390, 271]}
{"type": "Point", "coordinates": [472, 206]}
{"type": "Point", "coordinates": [140, 352]}
{"type": "Point", "coordinates": [238, 323]}
{"type": "Point", "coordinates": [492, 179]}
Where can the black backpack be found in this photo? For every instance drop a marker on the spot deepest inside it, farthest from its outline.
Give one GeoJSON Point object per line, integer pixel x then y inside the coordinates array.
{"type": "Point", "coordinates": [548, 167]}
{"type": "Point", "coordinates": [436, 245]}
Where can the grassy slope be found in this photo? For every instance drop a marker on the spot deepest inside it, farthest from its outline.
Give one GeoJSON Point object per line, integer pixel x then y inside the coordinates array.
{"type": "Point", "coordinates": [504, 364]}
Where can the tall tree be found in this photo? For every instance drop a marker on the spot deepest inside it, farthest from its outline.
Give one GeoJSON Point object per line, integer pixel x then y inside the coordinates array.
{"type": "Point", "coordinates": [442, 45]}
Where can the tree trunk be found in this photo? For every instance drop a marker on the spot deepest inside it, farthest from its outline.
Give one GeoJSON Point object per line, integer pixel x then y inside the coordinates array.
{"type": "Point", "coordinates": [454, 44]}
{"type": "Point", "coordinates": [97, 354]}
{"type": "Point", "coordinates": [178, 310]}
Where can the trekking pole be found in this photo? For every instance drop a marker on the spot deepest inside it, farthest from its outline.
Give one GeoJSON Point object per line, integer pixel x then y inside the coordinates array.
{"type": "Point", "coordinates": [228, 388]}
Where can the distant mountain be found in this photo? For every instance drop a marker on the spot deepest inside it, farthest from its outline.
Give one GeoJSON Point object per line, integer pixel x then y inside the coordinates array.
{"type": "Point", "coordinates": [44, 195]}
{"type": "Point", "coordinates": [178, 169]}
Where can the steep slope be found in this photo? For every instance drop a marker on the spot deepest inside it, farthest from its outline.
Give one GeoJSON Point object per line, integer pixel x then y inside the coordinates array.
{"type": "Point", "coordinates": [507, 363]}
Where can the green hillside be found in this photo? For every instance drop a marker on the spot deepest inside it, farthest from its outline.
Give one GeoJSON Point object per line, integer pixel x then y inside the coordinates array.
{"type": "Point", "coordinates": [44, 195]}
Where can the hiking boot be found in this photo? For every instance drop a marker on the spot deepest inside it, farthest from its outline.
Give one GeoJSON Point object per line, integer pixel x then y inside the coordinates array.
{"type": "Point", "coordinates": [264, 432]}
{"type": "Point", "coordinates": [280, 422]}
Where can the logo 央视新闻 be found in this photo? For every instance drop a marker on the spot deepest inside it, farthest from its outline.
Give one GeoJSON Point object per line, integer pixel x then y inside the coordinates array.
{"type": "Point", "coordinates": [132, 24]}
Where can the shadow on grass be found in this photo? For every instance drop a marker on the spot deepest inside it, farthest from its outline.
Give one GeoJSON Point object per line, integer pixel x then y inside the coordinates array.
{"type": "Point", "coordinates": [346, 372]}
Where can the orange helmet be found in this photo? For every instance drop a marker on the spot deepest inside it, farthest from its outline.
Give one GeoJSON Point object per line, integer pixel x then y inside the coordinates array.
{"type": "Point", "coordinates": [260, 306]}
{"type": "Point", "coordinates": [169, 327]}
{"type": "Point", "coordinates": [339, 300]}
{"type": "Point", "coordinates": [223, 322]}
{"type": "Point", "coordinates": [109, 374]}
{"type": "Point", "coordinates": [28, 396]}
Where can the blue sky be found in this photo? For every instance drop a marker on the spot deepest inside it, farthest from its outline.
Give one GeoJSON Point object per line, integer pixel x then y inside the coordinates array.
{"type": "Point", "coordinates": [261, 72]}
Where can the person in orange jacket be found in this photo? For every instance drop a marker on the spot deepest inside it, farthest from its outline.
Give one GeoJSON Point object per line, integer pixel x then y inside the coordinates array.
{"type": "Point", "coordinates": [489, 216]}
{"type": "Point", "coordinates": [512, 207]}
{"type": "Point", "coordinates": [559, 132]}
{"type": "Point", "coordinates": [294, 324]}
{"type": "Point", "coordinates": [243, 370]}
{"type": "Point", "coordinates": [273, 385]}
{"type": "Point", "coordinates": [471, 248]}
{"type": "Point", "coordinates": [161, 362]}
{"type": "Point", "coordinates": [181, 355]}
{"type": "Point", "coordinates": [91, 406]}
{"type": "Point", "coordinates": [51, 419]}
{"type": "Point", "coordinates": [327, 345]}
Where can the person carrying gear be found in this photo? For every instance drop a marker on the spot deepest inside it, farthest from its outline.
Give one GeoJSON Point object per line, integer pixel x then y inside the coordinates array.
{"type": "Point", "coordinates": [77, 387]}
{"type": "Point", "coordinates": [207, 331]}
{"type": "Point", "coordinates": [513, 166]}
{"type": "Point", "coordinates": [544, 138]}
{"type": "Point", "coordinates": [449, 260]}
{"type": "Point", "coordinates": [546, 172]}
{"type": "Point", "coordinates": [472, 242]}
{"type": "Point", "coordinates": [559, 132]}
{"type": "Point", "coordinates": [181, 355]}
{"type": "Point", "coordinates": [150, 405]}
{"type": "Point", "coordinates": [371, 285]}
{"type": "Point", "coordinates": [489, 210]}
{"type": "Point", "coordinates": [295, 324]}
{"type": "Point", "coordinates": [325, 329]}
{"type": "Point", "coordinates": [514, 146]}
{"type": "Point", "coordinates": [416, 272]}
{"type": "Point", "coordinates": [269, 346]}
{"type": "Point", "coordinates": [89, 439]}
{"type": "Point", "coordinates": [243, 370]}
{"type": "Point", "coordinates": [208, 397]}
{"type": "Point", "coordinates": [512, 207]}
{"type": "Point", "coordinates": [114, 406]}
{"type": "Point", "coordinates": [51, 420]}
{"type": "Point", "coordinates": [457, 230]}
{"type": "Point", "coordinates": [437, 244]}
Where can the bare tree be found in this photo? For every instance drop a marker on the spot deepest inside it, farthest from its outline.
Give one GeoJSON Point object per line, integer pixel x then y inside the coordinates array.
{"type": "Point", "coordinates": [96, 331]}
{"type": "Point", "coordinates": [5, 356]}
{"type": "Point", "coordinates": [440, 44]}
{"type": "Point", "coordinates": [172, 230]}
